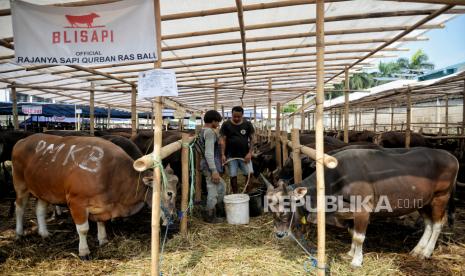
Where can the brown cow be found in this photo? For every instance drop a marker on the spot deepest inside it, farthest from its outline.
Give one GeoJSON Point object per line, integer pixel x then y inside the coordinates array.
{"type": "Point", "coordinates": [94, 177]}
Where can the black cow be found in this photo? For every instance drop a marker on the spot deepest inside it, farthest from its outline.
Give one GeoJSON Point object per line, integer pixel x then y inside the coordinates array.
{"type": "Point", "coordinates": [385, 185]}
{"type": "Point", "coordinates": [396, 139]}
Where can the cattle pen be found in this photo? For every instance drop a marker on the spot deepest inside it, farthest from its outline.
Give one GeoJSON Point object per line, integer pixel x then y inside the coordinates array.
{"type": "Point", "coordinates": [263, 55]}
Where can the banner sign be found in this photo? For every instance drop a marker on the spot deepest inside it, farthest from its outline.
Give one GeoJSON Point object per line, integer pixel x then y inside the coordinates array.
{"type": "Point", "coordinates": [31, 109]}
{"type": "Point", "coordinates": [100, 34]}
{"type": "Point", "coordinates": [157, 82]}
{"type": "Point", "coordinates": [78, 111]}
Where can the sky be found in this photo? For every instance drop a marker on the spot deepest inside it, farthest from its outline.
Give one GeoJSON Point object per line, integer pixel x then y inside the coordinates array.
{"type": "Point", "coordinates": [445, 46]}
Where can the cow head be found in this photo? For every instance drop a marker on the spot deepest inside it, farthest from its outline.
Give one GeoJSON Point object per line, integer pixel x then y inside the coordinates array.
{"type": "Point", "coordinates": [94, 15]}
{"type": "Point", "coordinates": [279, 201]}
{"type": "Point", "coordinates": [168, 194]}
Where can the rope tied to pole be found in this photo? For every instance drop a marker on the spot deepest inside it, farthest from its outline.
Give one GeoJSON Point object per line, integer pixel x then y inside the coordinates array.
{"type": "Point", "coordinates": [311, 262]}
{"type": "Point", "coordinates": [157, 163]}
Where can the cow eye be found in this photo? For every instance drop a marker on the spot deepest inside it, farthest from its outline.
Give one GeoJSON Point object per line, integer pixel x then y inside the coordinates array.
{"type": "Point", "coordinates": [170, 194]}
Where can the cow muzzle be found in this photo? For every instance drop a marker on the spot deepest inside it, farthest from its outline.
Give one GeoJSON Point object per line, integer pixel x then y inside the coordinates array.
{"type": "Point", "coordinates": [281, 235]}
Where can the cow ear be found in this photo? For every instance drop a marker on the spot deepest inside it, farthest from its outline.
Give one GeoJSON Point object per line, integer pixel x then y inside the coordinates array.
{"type": "Point", "coordinates": [168, 169]}
{"type": "Point", "coordinates": [148, 180]}
{"type": "Point", "coordinates": [299, 192]}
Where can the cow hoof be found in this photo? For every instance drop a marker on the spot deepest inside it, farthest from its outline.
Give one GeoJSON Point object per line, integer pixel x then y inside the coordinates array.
{"type": "Point", "coordinates": [417, 254]}
{"type": "Point", "coordinates": [356, 263]}
{"type": "Point", "coordinates": [102, 242]}
{"type": "Point", "coordinates": [84, 258]}
{"type": "Point", "coordinates": [44, 235]}
{"type": "Point", "coordinates": [19, 237]}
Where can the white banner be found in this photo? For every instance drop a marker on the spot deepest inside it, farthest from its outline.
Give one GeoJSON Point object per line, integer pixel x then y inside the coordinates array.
{"type": "Point", "coordinates": [109, 33]}
{"type": "Point", "coordinates": [31, 109]}
{"type": "Point", "coordinates": [157, 82]}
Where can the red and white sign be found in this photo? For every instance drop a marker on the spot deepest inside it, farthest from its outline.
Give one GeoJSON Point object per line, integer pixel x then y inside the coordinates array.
{"type": "Point", "coordinates": [101, 34]}
{"type": "Point", "coordinates": [31, 109]}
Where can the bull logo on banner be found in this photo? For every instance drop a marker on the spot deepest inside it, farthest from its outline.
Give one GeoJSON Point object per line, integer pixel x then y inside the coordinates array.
{"type": "Point", "coordinates": [87, 20]}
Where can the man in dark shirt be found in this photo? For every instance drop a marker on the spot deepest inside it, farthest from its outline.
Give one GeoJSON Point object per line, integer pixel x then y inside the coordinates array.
{"type": "Point", "coordinates": [236, 142]}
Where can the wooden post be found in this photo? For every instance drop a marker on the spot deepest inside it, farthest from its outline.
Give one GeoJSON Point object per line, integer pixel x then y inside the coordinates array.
{"type": "Point", "coordinates": [446, 99]}
{"type": "Point", "coordinates": [320, 173]}
{"type": "Point", "coordinates": [392, 117]}
{"type": "Point", "coordinates": [152, 120]}
{"type": "Point", "coordinates": [215, 100]}
{"type": "Point", "coordinates": [295, 138]}
{"type": "Point", "coordinates": [91, 111]}
{"type": "Point", "coordinates": [222, 111]}
{"type": "Point", "coordinates": [261, 118]}
{"type": "Point", "coordinates": [157, 142]}
{"type": "Point", "coordinates": [134, 110]}
{"type": "Point", "coordinates": [302, 115]}
{"type": "Point", "coordinates": [277, 132]}
{"type": "Point", "coordinates": [15, 108]}
{"type": "Point", "coordinates": [375, 118]}
{"type": "Point", "coordinates": [409, 110]}
{"type": "Point", "coordinates": [79, 122]}
{"type": "Point", "coordinates": [285, 151]}
{"type": "Point", "coordinates": [269, 103]}
{"type": "Point", "coordinates": [185, 181]}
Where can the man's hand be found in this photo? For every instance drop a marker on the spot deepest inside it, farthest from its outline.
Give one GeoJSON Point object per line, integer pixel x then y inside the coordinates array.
{"type": "Point", "coordinates": [223, 159]}
{"type": "Point", "coordinates": [216, 177]}
{"type": "Point", "coordinates": [248, 157]}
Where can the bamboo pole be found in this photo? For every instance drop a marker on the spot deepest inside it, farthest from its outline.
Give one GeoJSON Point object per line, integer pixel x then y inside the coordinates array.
{"type": "Point", "coordinates": [269, 103]}
{"type": "Point", "coordinates": [87, 89]}
{"type": "Point", "coordinates": [446, 99]}
{"type": "Point", "coordinates": [375, 118]}
{"type": "Point", "coordinates": [108, 116]}
{"type": "Point", "coordinates": [392, 117]}
{"type": "Point", "coordinates": [331, 118]}
{"type": "Point", "coordinates": [185, 182]}
{"type": "Point", "coordinates": [15, 108]}
{"type": "Point", "coordinates": [320, 177]}
{"type": "Point", "coordinates": [255, 113]}
{"type": "Point", "coordinates": [215, 99]}
{"type": "Point", "coordinates": [222, 111]}
{"type": "Point", "coordinates": [157, 142]}
{"type": "Point", "coordinates": [91, 111]}
{"type": "Point", "coordinates": [297, 162]}
{"type": "Point", "coordinates": [284, 141]}
{"type": "Point", "coordinates": [133, 111]}
{"type": "Point", "coordinates": [346, 105]}
{"type": "Point", "coordinates": [309, 118]}
{"type": "Point", "coordinates": [277, 132]}
{"type": "Point", "coordinates": [409, 118]}
{"type": "Point", "coordinates": [302, 115]}
{"type": "Point", "coordinates": [360, 120]}
{"type": "Point", "coordinates": [240, 15]}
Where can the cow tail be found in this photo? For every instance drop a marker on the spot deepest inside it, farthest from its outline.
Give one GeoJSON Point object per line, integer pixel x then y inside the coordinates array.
{"type": "Point", "coordinates": [451, 207]}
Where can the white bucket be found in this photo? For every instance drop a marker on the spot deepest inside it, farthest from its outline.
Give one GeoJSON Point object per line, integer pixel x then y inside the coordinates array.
{"type": "Point", "coordinates": [237, 208]}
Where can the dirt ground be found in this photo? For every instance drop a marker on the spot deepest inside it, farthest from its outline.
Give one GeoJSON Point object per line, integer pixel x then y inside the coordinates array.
{"type": "Point", "coordinates": [220, 249]}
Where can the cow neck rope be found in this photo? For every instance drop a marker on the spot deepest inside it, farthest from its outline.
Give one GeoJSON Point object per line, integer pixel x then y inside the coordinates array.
{"type": "Point", "coordinates": [311, 259]}
{"type": "Point", "coordinates": [248, 176]}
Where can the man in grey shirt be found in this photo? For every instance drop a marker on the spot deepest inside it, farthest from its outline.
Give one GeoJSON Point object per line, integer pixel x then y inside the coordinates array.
{"type": "Point", "coordinates": [211, 165]}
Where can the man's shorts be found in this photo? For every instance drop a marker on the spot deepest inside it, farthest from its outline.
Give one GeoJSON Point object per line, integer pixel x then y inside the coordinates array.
{"type": "Point", "coordinates": [234, 165]}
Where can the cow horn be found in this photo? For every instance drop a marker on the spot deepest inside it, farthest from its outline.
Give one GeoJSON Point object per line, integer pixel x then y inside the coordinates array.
{"type": "Point", "coordinates": [460, 184]}
{"type": "Point", "coordinates": [268, 184]}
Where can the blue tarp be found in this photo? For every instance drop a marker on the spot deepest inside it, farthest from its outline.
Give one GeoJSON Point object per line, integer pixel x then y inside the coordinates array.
{"type": "Point", "coordinates": [68, 110]}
